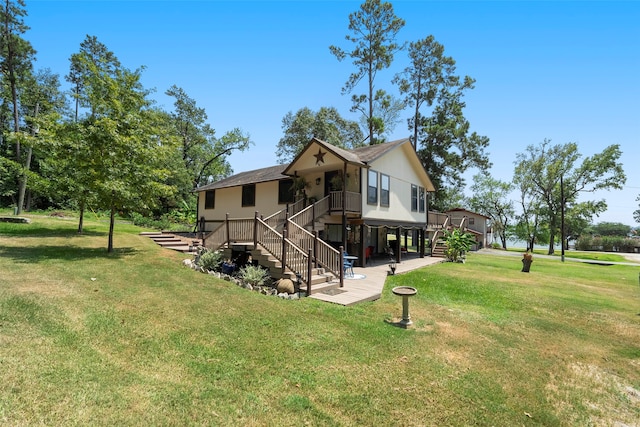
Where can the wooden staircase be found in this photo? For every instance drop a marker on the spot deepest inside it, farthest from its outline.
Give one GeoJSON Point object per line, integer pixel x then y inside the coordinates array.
{"type": "Point", "coordinates": [321, 279]}
{"type": "Point", "coordinates": [438, 246]}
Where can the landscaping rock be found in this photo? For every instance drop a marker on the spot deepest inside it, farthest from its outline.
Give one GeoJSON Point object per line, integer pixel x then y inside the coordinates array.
{"type": "Point", "coordinates": [285, 286]}
{"type": "Point", "coordinates": [187, 263]}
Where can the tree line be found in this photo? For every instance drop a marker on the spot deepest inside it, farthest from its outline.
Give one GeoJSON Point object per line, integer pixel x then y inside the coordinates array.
{"type": "Point", "coordinates": [105, 145]}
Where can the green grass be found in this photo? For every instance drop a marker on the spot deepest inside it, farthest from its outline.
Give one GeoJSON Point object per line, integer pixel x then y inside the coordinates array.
{"type": "Point", "coordinates": [134, 338]}
{"type": "Point", "coordinates": [586, 255]}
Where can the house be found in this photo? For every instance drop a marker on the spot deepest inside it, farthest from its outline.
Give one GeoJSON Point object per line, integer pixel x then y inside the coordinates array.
{"type": "Point", "coordinates": [473, 223]}
{"type": "Point", "coordinates": [325, 200]}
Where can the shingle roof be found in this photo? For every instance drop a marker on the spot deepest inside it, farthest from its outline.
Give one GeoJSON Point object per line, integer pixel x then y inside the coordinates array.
{"type": "Point", "coordinates": [360, 155]}
{"type": "Point", "coordinates": [272, 173]}
{"type": "Point", "coordinates": [369, 153]}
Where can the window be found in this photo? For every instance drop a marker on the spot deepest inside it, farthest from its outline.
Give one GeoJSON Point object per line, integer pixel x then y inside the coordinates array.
{"type": "Point", "coordinates": [210, 199]}
{"type": "Point", "coordinates": [285, 191]}
{"type": "Point", "coordinates": [421, 200]}
{"type": "Point", "coordinates": [414, 198]}
{"type": "Point", "coordinates": [249, 195]}
{"type": "Point", "coordinates": [372, 188]}
{"type": "Point", "coordinates": [472, 221]}
{"type": "Point", "coordinates": [384, 190]}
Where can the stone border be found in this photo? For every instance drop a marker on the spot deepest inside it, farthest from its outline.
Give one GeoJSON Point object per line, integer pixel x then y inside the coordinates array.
{"type": "Point", "coordinates": [264, 290]}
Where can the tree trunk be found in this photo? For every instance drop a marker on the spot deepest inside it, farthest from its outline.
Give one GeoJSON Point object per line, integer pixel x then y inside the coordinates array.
{"type": "Point", "coordinates": [530, 244]}
{"type": "Point", "coordinates": [81, 220]}
{"type": "Point", "coordinates": [112, 221]}
{"type": "Point", "coordinates": [22, 182]}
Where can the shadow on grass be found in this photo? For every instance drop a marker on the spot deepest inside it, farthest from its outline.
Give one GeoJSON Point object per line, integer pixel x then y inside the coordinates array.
{"type": "Point", "coordinates": [19, 230]}
{"type": "Point", "coordinates": [61, 253]}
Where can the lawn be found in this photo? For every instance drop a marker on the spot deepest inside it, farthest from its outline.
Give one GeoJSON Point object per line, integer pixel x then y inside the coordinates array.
{"type": "Point", "coordinates": [134, 338]}
{"type": "Point", "coordinates": [585, 255]}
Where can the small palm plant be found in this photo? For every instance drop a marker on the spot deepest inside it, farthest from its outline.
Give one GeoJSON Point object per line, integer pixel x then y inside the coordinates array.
{"type": "Point", "coordinates": [458, 244]}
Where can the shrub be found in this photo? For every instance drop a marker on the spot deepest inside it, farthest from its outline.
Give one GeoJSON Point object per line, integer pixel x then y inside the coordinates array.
{"type": "Point", "coordinates": [606, 244]}
{"type": "Point", "coordinates": [458, 243]}
{"type": "Point", "coordinates": [254, 275]}
{"type": "Point", "coordinates": [209, 260]}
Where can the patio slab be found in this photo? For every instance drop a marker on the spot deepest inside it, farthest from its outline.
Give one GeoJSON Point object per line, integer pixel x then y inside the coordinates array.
{"type": "Point", "coordinates": [368, 282]}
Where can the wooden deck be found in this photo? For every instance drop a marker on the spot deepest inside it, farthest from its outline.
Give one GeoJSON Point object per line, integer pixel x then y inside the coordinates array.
{"type": "Point", "coordinates": [369, 288]}
{"type": "Point", "coordinates": [366, 285]}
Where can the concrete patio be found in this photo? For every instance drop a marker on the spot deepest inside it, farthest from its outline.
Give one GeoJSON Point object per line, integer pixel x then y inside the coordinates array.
{"type": "Point", "coordinates": [368, 282]}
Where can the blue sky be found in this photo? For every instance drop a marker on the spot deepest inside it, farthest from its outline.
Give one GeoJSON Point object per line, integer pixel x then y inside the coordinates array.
{"type": "Point", "coordinates": [567, 71]}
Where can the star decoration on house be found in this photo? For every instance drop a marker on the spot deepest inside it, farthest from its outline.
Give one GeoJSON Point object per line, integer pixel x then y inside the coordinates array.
{"type": "Point", "coordinates": [319, 157]}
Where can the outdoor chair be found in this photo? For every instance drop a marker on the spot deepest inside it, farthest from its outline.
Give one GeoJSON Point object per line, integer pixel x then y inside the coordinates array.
{"type": "Point", "coordinates": [347, 265]}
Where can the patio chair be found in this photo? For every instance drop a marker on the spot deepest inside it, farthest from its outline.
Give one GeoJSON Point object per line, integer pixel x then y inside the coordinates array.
{"type": "Point", "coordinates": [347, 265]}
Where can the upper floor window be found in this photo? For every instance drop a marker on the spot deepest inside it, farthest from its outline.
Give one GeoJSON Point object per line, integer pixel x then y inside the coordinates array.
{"type": "Point", "coordinates": [249, 195]}
{"type": "Point", "coordinates": [384, 190]}
{"type": "Point", "coordinates": [372, 188]}
{"type": "Point", "coordinates": [414, 198]}
{"type": "Point", "coordinates": [285, 191]}
{"type": "Point", "coordinates": [421, 199]}
{"type": "Point", "coordinates": [210, 199]}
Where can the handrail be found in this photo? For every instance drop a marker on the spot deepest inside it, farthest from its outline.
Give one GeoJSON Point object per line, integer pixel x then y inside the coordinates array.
{"type": "Point", "coordinates": [277, 218]}
{"type": "Point", "coordinates": [434, 240]}
{"type": "Point", "coordinates": [291, 256]}
{"type": "Point", "coordinates": [437, 220]}
{"type": "Point", "coordinates": [312, 212]}
{"type": "Point", "coordinates": [325, 255]}
{"type": "Point", "coordinates": [353, 201]}
{"type": "Point", "coordinates": [216, 238]}
{"type": "Point", "coordinates": [296, 248]}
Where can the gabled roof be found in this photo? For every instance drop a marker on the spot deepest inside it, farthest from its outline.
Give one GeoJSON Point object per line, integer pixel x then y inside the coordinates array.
{"type": "Point", "coordinates": [342, 154]}
{"type": "Point", "coordinates": [369, 153]}
{"type": "Point", "coordinates": [272, 173]}
{"type": "Point", "coordinates": [361, 156]}
{"type": "Point", "coordinates": [467, 211]}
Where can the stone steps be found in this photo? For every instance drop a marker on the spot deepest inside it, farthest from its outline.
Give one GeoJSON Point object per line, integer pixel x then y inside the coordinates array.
{"type": "Point", "coordinates": [169, 241]}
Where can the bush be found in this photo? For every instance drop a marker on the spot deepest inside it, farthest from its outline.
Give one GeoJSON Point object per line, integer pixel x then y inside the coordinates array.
{"type": "Point", "coordinates": [209, 260]}
{"type": "Point", "coordinates": [165, 222]}
{"type": "Point", "coordinates": [458, 244]}
{"type": "Point", "coordinates": [606, 244]}
{"type": "Point", "coordinates": [254, 275]}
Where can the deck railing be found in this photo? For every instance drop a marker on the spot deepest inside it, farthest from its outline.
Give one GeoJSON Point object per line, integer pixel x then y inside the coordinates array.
{"type": "Point", "coordinates": [311, 213]}
{"type": "Point", "coordinates": [296, 248]}
{"type": "Point", "coordinates": [324, 255]}
{"type": "Point", "coordinates": [438, 231]}
{"type": "Point", "coordinates": [436, 220]}
{"type": "Point", "coordinates": [353, 201]}
{"type": "Point", "coordinates": [217, 238]}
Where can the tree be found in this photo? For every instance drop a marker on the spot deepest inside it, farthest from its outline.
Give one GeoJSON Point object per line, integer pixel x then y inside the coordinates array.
{"type": "Point", "coordinates": [491, 198]}
{"type": "Point", "coordinates": [92, 62]}
{"type": "Point", "coordinates": [439, 129]}
{"type": "Point", "coordinates": [203, 155]}
{"type": "Point", "coordinates": [636, 213]}
{"type": "Point", "coordinates": [609, 229]}
{"type": "Point", "coordinates": [16, 56]}
{"type": "Point", "coordinates": [541, 168]}
{"type": "Point", "coordinates": [114, 147]}
{"type": "Point", "coordinates": [326, 124]}
{"type": "Point", "coordinates": [41, 106]}
{"type": "Point", "coordinates": [374, 29]}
